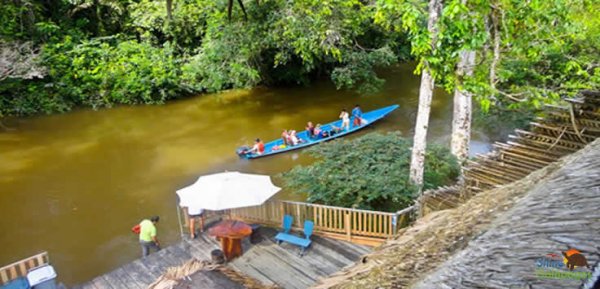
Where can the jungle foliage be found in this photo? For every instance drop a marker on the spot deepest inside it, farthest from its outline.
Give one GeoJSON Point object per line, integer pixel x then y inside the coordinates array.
{"type": "Point", "coordinates": [101, 53]}
{"type": "Point", "coordinates": [528, 52]}
{"type": "Point", "coordinates": [370, 172]}
{"type": "Point", "coordinates": [105, 52]}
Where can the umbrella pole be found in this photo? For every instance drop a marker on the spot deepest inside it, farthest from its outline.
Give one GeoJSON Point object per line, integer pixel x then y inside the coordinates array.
{"type": "Point", "coordinates": [179, 220]}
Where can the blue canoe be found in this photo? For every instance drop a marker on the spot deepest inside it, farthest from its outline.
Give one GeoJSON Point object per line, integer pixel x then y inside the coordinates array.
{"type": "Point", "coordinates": [370, 117]}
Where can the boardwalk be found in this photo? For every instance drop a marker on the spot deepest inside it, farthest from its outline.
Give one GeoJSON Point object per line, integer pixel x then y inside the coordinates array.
{"type": "Point", "coordinates": [265, 261]}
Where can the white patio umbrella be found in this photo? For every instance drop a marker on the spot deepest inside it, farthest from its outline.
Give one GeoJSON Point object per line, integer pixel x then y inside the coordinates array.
{"type": "Point", "coordinates": [227, 190]}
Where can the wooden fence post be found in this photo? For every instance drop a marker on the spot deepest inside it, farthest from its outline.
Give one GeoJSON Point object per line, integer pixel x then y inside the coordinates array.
{"type": "Point", "coordinates": [348, 227]}
{"type": "Point", "coordinates": [298, 216]}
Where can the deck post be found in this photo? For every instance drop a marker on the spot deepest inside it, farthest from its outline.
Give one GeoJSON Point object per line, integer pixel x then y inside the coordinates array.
{"type": "Point", "coordinates": [281, 210]}
{"type": "Point", "coordinates": [348, 227]}
{"type": "Point", "coordinates": [179, 220]}
{"type": "Point", "coordinates": [298, 216]}
{"type": "Point", "coordinates": [394, 224]}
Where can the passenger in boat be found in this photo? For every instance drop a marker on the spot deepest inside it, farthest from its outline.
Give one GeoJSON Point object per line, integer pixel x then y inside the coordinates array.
{"type": "Point", "coordinates": [148, 239]}
{"type": "Point", "coordinates": [310, 129]}
{"type": "Point", "coordinates": [356, 116]}
{"type": "Point", "coordinates": [193, 215]}
{"type": "Point", "coordinates": [285, 136]}
{"type": "Point", "coordinates": [318, 131]}
{"type": "Point", "coordinates": [294, 138]}
{"type": "Point", "coordinates": [334, 130]}
{"type": "Point", "coordinates": [258, 148]}
{"type": "Point", "coordinates": [345, 119]}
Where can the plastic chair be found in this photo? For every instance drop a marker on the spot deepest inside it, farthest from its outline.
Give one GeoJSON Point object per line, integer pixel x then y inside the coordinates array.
{"type": "Point", "coordinates": [308, 230]}
{"type": "Point", "coordinates": [287, 223]}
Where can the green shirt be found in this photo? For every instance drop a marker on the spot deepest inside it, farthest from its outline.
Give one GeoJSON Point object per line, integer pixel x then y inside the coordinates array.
{"type": "Point", "coordinates": [147, 231]}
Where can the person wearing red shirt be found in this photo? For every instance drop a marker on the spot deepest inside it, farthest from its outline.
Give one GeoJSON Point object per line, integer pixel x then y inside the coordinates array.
{"type": "Point", "coordinates": [258, 148]}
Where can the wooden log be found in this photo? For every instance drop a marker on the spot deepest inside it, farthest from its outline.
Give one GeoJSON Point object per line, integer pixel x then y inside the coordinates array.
{"type": "Point", "coordinates": [549, 139]}
{"type": "Point", "coordinates": [533, 161]}
{"type": "Point", "coordinates": [526, 153]}
{"type": "Point", "coordinates": [503, 175]}
{"type": "Point", "coordinates": [483, 180]}
{"type": "Point", "coordinates": [544, 144]}
{"type": "Point", "coordinates": [553, 154]}
{"type": "Point", "coordinates": [515, 169]}
{"type": "Point", "coordinates": [556, 131]}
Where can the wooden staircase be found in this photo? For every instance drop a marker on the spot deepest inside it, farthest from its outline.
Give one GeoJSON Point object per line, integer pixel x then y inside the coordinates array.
{"type": "Point", "coordinates": [561, 130]}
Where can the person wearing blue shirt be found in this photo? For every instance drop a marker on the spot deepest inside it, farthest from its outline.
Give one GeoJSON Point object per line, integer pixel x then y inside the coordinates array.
{"type": "Point", "coordinates": [356, 116]}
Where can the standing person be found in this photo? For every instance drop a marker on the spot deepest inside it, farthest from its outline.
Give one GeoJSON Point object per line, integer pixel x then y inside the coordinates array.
{"type": "Point", "coordinates": [148, 235]}
{"type": "Point", "coordinates": [345, 119]}
{"type": "Point", "coordinates": [193, 214]}
{"type": "Point", "coordinates": [356, 116]}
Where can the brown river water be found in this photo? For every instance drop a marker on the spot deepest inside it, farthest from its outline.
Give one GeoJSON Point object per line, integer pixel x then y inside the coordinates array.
{"type": "Point", "coordinates": [74, 184]}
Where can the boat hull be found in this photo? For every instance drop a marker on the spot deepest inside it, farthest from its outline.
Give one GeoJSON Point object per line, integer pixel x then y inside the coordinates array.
{"type": "Point", "coordinates": [272, 148]}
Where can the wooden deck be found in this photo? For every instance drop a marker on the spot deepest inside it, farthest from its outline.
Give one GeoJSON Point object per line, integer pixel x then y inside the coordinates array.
{"type": "Point", "coordinates": [265, 261]}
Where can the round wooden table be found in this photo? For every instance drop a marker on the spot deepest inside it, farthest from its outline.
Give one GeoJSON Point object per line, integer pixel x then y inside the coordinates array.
{"type": "Point", "coordinates": [231, 234]}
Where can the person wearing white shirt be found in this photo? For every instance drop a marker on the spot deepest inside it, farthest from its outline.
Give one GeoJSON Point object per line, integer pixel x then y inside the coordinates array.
{"type": "Point", "coordinates": [193, 214]}
{"type": "Point", "coordinates": [345, 119]}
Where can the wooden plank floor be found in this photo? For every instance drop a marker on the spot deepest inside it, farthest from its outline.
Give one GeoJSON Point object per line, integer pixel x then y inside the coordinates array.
{"type": "Point", "coordinates": [265, 261]}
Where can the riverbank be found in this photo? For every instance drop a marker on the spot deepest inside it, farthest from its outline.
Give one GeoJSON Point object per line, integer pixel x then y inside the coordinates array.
{"type": "Point", "coordinates": [91, 174]}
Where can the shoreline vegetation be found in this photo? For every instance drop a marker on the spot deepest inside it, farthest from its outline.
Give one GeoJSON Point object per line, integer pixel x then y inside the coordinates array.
{"type": "Point", "coordinates": [57, 55]}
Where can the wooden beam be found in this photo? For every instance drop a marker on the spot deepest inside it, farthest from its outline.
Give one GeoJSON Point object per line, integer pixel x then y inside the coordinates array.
{"type": "Point", "coordinates": [543, 145]}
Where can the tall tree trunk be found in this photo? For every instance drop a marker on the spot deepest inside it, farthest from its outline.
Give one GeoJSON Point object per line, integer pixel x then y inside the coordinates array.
{"type": "Point", "coordinates": [417, 162]}
{"type": "Point", "coordinates": [461, 121]}
{"type": "Point", "coordinates": [169, 9]}
{"type": "Point", "coordinates": [99, 24]}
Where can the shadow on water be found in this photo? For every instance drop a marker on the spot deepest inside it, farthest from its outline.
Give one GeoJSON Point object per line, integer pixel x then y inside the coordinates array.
{"type": "Point", "coordinates": [74, 184]}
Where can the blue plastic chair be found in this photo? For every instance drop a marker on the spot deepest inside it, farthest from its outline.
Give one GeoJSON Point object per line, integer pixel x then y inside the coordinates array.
{"type": "Point", "coordinates": [287, 223]}
{"type": "Point", "coordinates": [308, 230]}
{"type": "Point", "coordinates": [304, 243]}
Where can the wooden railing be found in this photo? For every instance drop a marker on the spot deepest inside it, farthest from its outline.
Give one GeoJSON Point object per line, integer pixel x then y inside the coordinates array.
{"type": "Point", "coordinates": [20, 268]}
{"type": "Point", "coordinates": [360, 226]}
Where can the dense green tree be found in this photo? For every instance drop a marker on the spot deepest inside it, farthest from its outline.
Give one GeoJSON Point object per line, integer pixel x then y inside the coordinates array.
{"type": "Point", "coordinates": [527, 52]}
{"type": "Point", "coordinates": [523, 51]}
{"type": "Point", "coordinates": [370, 172]}
{"type": "Point", "coordinates": [281, 42]}
{"type": "Point", "coordinates": [101, 73]}
{"type": "Point", "coordinates": [105, 12]}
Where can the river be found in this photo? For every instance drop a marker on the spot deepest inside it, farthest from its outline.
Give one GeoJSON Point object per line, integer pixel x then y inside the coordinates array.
{"type": "Point", "coordinates": [74, 184]}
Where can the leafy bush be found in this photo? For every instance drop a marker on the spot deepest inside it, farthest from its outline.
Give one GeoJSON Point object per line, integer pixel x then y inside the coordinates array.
{"type": "Point", "coordinates": [99, 73]}
{"type": "Point", "coordinates": [370, 172]}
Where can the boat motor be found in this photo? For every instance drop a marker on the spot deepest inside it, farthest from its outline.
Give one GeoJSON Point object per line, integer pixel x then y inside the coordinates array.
{"type": "Point", "coordinates": [242, 151]}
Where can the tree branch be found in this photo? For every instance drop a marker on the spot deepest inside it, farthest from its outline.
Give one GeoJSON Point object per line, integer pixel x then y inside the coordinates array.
{"type": "Point", "coordinates": [496, 48]}
{"type": "Point", "coordinates": [513, 97]}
